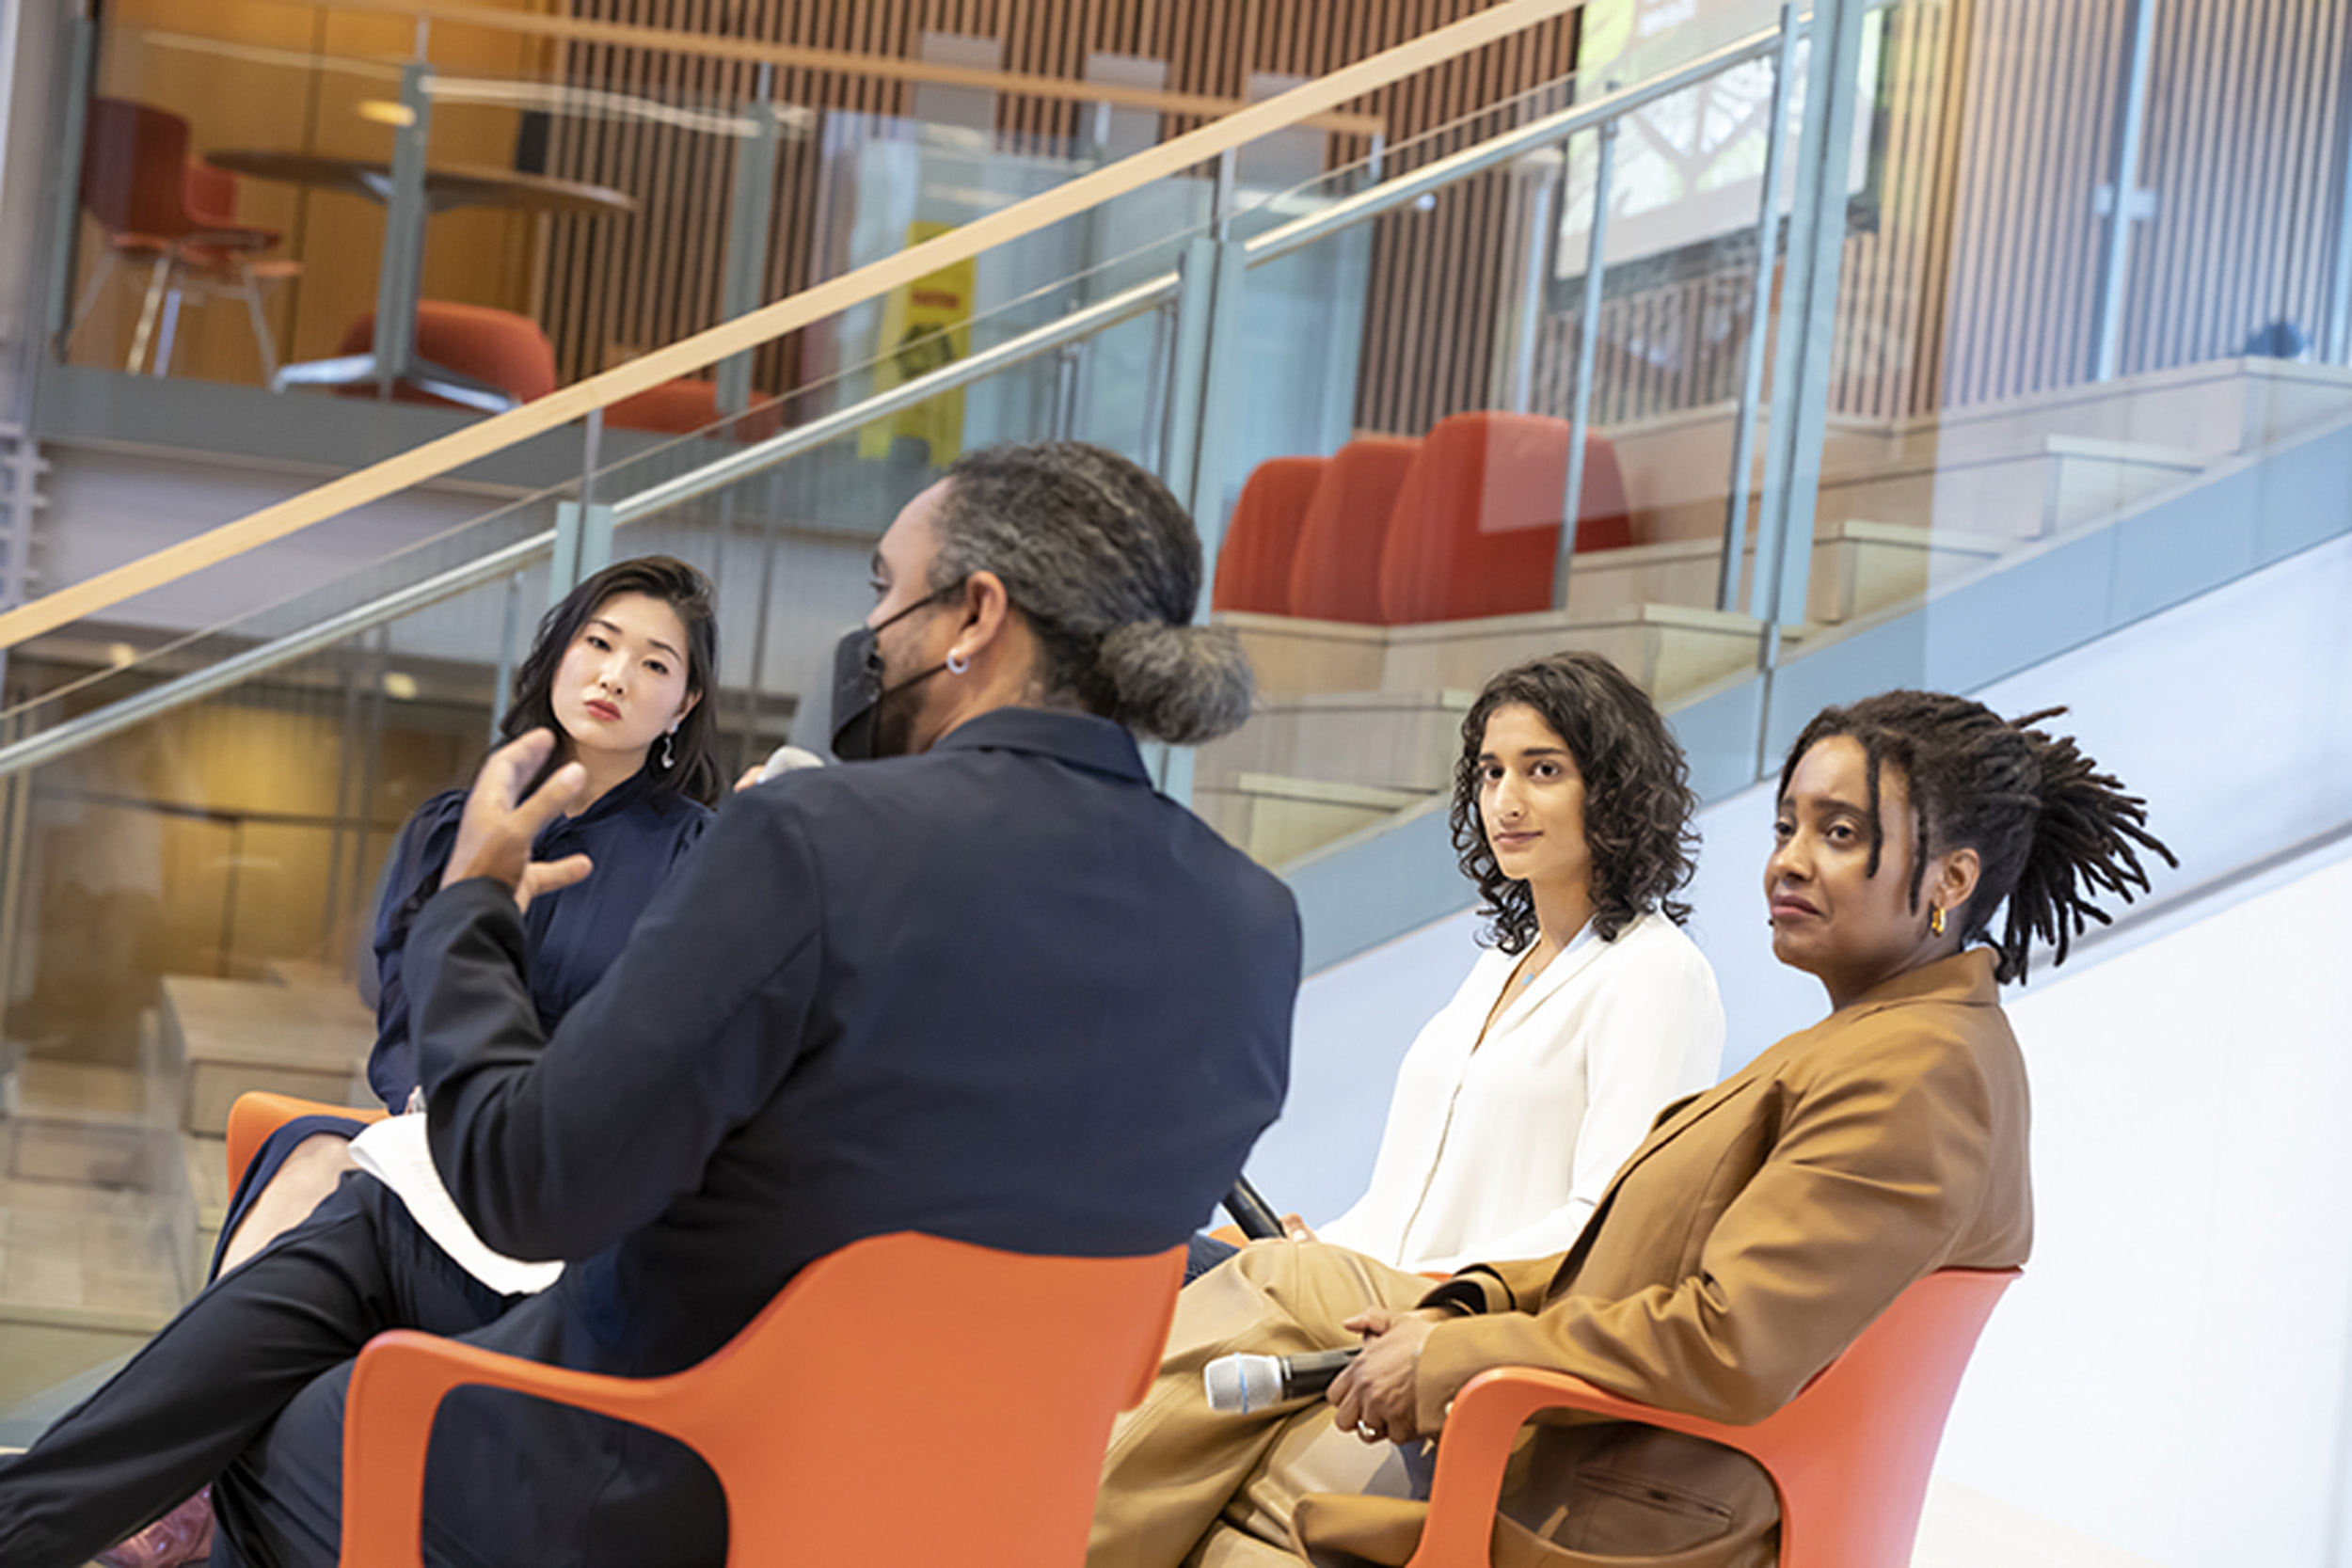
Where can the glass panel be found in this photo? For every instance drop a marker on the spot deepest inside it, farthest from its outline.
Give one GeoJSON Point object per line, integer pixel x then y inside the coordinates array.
{"type": "Point", "coordinates": [1392, 461]}
{"type": "Point", "coordinates": [2037, 400]}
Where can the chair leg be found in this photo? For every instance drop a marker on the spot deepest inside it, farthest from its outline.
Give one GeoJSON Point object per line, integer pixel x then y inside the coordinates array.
{"type": "Point", "coordinates": [173, 297]}
{"type": "Point", "coordinates": [156, 281]}
{"type": "Point", "coordinates": [261, 340]}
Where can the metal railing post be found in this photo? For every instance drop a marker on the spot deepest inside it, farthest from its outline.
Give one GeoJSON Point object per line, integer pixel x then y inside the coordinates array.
{"type": "Point", "coordinates": [1808, 322]}
{"type": "Point", "coordinates": [751, 211]}
{"type": "Point", "coordinates": [72, 126]}
{"type": "Point", "coordinates": [1759, 317]}
{"type": "Point", "coordinates": [2121, 200]}
{"type": "Point", "coordinates": [1587, 348]}
{"type": "Point", "coordinates": [400, 272]}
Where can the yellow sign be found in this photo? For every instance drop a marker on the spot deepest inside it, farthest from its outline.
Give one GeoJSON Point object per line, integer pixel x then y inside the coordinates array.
{"type": "Point", "coordinates": [923, 325]}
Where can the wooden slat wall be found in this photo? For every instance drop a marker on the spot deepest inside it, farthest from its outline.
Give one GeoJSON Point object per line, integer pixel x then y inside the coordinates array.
{"type": "Point", "coordinates": [2243, 151]}
{"type": "Point", "coordinates": [1978, 280]}
{"type": "Point", "coordinates": [616, 288]}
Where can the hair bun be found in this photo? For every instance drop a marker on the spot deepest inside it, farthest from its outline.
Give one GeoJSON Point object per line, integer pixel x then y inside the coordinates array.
{"type": "Point", "coordinates": [1180, 684]}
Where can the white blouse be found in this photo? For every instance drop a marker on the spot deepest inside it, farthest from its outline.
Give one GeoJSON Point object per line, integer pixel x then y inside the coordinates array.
{"type": "Point", "coordinates": [1499, 1148]}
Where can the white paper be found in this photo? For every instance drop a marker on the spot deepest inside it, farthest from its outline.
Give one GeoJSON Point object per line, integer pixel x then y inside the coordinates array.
{"type": "Point", "coordinates": [394, 1151]}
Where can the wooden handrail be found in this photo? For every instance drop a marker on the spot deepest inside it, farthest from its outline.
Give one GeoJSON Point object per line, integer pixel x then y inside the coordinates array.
{"type": "Point", "coordinates": [621, 35]}
{"type": "Point", "coordinates": [706, 348]}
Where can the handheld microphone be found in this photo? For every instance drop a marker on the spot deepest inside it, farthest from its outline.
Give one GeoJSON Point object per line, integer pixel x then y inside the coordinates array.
{"type": "Point", "coordinates": [785, 759]}
{"type": "Point", "coordinates": [1250, 1213]}
{"type": "Point", "coordinates": [1239, 1384]}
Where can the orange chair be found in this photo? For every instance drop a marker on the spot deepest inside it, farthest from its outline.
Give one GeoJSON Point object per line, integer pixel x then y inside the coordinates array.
{"type": "Point", "coordinates": [1253, 563]}
{"type": "Point", "coordinates": [1335, 571]}
{"type": "Point", "coordinates": [497, 348]}
{"type": "Point", "coordinates": [159, 207]}
{"type": "Point", "coordinates": [257, 1114]}
{"type": "Point", "coordinates": [806, 1415]}
{"type": "Point", "coordinates": [1477, 525]}
{"type": "Point", "coordinates": [1848, 1456]}
{"type": "Point", "coordinates": [688, 406]}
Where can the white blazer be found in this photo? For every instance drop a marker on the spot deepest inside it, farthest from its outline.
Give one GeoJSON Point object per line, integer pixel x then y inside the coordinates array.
{"type": "Point", "coordinates": [1498, 1149]}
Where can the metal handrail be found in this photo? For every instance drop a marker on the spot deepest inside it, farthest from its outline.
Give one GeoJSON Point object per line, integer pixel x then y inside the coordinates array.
{"type": "Point", "coordinates": [1120, 307]}
{"type": "Point", "coordinates": [155, 701]}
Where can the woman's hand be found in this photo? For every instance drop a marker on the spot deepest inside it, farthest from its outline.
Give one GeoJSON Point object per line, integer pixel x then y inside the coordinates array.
{"type": "Point", "coordinates": [495, 832]}
{"type": "Point", "coordinates": [1374, 1396]}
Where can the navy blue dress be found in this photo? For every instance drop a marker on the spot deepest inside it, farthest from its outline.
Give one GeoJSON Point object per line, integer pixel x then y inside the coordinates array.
{"type": "Point", "coordinates": [634, 834]}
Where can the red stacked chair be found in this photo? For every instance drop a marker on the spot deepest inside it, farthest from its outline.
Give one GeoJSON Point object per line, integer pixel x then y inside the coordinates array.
{"type": "Point", "coordinates": [1476, 530]}
{"type": "Point", "coordinates": [177, 216]}
{"type": "Point", "coordinates": [1253, 564]}
{"type": "Point", "coordinates": [1335, 573]}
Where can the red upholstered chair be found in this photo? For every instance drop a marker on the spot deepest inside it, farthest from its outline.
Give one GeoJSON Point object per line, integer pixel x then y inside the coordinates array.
{"type": "Point", "coordinates": [175, 215]}
{"type": "Point", "coordinates": [497, 348]}
{"type": "Point", "coordinates": [1476, 527]}
{"type": "Point", "coordinates": [1849, 1456]}
{"type": "Point", "coordinates": [1335, 573]}
{"type": "Point", "coordinates": [1253, 563]}
{"type": "Point", "coordinates": [686, 405]}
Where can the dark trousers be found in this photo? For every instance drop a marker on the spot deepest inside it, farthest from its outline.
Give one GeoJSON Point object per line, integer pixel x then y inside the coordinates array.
{"type": "Point", "coordinates": [245, 1390]}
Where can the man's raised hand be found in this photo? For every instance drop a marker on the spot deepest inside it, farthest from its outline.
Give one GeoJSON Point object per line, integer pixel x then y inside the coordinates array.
{"type": "Point", "coordinates": [495, 834]}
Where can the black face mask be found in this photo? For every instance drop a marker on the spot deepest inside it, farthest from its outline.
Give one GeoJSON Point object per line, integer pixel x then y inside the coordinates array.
{"type": "Point", "coordinates": [858, 694]}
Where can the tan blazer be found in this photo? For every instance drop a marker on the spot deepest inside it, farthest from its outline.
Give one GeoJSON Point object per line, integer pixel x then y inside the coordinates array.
{"type": "Point", "coordinates": [1761, 1225]}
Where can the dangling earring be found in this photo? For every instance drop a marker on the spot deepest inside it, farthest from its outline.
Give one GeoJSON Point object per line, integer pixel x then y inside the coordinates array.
{"type": "Point", "coordinates": [1935, 919]}
{"type": "Point", "coordinates": [957, 663]}
{"type": "Point", "coordinates": [668, 761]}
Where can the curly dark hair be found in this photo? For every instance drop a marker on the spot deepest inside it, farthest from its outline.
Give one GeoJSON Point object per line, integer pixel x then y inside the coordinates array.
{"type": "Point", "coordinates": [1637, 796]}
{"type": "Point", "coordinates": [2047, 826]}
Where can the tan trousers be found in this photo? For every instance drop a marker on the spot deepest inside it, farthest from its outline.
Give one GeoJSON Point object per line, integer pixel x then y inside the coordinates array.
{"type": "Point", "coordinates": [1182, 1484]}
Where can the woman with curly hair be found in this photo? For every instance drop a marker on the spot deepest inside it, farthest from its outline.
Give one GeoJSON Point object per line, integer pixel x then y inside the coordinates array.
{"type": "Point", "coordinates": [1589, 1010]}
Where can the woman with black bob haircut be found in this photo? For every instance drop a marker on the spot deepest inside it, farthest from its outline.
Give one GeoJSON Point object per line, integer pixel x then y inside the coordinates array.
{"type": "Point", "coordinates": [1591, 1009]}
{"type": "Point", "coordinates": [617, 669]}
{"type": "Point", "coordinates": [1922, 846]}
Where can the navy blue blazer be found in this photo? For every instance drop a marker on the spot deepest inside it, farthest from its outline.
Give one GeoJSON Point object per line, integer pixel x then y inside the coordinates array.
{"type": "Point", "coordinates": [1003, 992]}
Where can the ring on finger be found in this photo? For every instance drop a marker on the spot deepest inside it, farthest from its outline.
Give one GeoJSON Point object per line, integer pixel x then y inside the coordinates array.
{"type": "Point", "coordinates": [1366, 1431]}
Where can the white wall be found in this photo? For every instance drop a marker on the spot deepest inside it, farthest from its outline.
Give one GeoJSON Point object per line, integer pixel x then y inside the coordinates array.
{"type": "Point", "coordinates": [2171, 1377]}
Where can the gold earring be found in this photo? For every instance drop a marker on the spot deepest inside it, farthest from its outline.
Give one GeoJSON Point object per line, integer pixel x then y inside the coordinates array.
{"type": "Point", "coordinates": [1935, 919]}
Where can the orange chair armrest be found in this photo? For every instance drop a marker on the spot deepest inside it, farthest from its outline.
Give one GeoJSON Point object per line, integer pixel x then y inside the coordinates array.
{"type": "Point", "coordinates": [257, 1114]}
{"type": "Point", "coordinates": [1481, 1426]}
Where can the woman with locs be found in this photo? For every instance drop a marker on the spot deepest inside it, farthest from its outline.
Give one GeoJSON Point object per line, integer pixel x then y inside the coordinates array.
{"type": "Point", "coordinates": [1922, 846]}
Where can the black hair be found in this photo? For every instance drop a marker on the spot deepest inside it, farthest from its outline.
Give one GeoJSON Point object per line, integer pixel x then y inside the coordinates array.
{"type": "Point", "coordinates": [694, 771]}
{"type": "Point", "coordinates": [2049, 829]}
{"type": "Point", "coordinates": [1637, 796]}
{"type": "Point", "coordinates": [1104, 566]}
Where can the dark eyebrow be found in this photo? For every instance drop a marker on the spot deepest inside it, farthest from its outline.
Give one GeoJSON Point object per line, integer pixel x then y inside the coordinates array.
{"type": "Point", "coordinates": [1531, 752]}
{"type": "Point", "coordinates": [653, 642]}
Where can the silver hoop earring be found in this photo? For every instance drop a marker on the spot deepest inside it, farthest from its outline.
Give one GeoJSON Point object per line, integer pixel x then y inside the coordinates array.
{"type": "Point", "coordinates": [666, 759]}
{"type": "Point", "coordinates": [957, 663]}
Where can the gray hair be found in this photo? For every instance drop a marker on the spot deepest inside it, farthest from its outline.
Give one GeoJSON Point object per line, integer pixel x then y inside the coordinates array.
{"type": "Point", "coordinates": [1104, 566]}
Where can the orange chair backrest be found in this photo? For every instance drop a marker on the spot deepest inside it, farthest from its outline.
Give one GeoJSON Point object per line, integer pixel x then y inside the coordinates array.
{"type": "Point", "coordinates": [134, 160]}
{"type": "Point", "coordinates": [500, 347]}
{"type": "Point", "coordinates": [1253, 562]}
{"type": "Point", "coordinates": [1335, 570]}
{"type": "Point", "coordinates": [1851, 1454]}
{"type": "Point", "coordinates": [1477, 525]}
{"type": "Point", "coordinates": [903, 1401]}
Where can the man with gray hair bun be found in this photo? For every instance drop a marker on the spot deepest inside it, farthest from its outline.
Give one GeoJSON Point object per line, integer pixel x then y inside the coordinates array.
{"type": "Point", "coordinates": [989, 986]}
